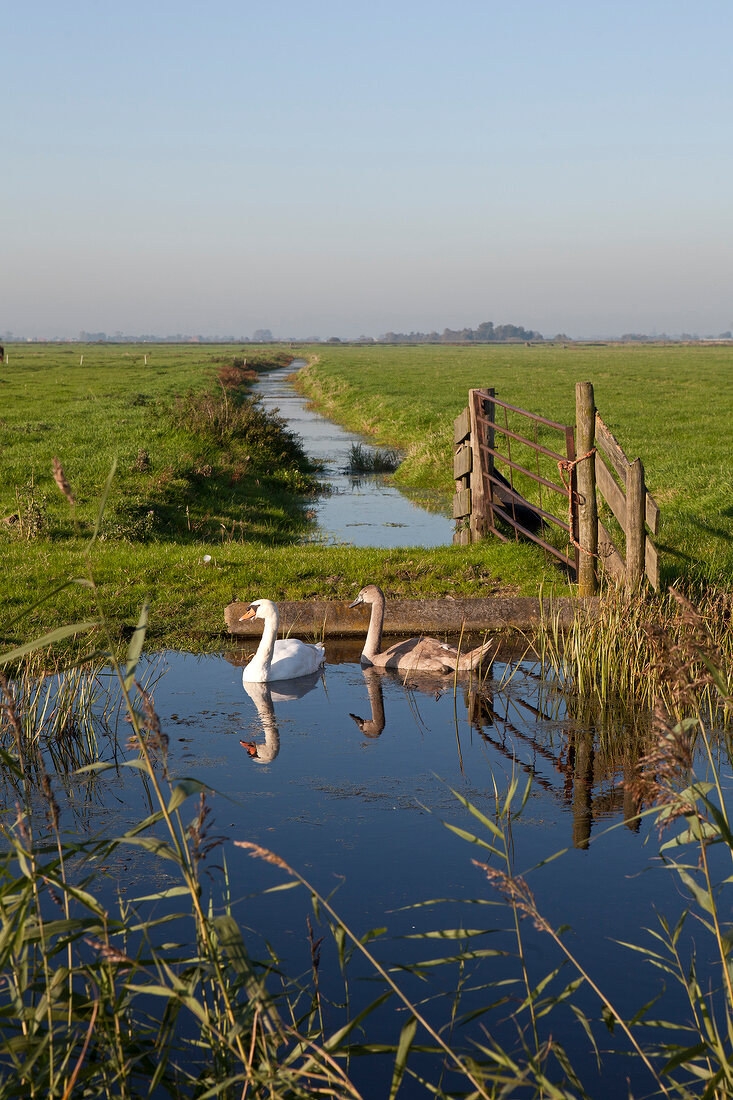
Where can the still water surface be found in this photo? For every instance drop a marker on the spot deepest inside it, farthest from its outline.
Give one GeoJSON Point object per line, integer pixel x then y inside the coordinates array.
{"type": "Point", "coordinates": [363, 510]}
{"type": "Point", "coordinates": [353, 785]}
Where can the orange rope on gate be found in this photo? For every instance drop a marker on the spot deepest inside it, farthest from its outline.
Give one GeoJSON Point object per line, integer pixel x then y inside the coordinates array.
{"type": "Point", "coordinates": [568, 465]}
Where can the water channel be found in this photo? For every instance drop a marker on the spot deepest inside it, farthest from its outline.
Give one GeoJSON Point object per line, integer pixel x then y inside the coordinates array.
{"type": "Point", "coordinates": [357, 782]}
{"type": "Point", "coordinates": [361, 510]}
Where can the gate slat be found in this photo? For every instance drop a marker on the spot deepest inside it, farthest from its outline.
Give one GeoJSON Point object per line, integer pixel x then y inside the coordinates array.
{"type": "Point", "coordinates": [461, 427]}
{"type": "Point", "coordinates": [609, 555]}
{"type": "Point", "coordinates": [462, 504]}
{"type": "Point", "coordinates": [651, 563]}
{"type": "Point", "coordinates": [612, 494]}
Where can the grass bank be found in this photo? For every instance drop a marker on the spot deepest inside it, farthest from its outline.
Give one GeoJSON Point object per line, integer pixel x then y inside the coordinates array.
{"type": "Point", "coordinates": [672, 406]}
{"type": "Point", "coordinates": [207, 502]}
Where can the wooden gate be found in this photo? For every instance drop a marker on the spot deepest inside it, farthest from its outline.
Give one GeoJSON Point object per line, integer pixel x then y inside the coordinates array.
{"type": "Point", "coordinates": [486, 495]}
{"type": "Point", "coordinates": [599, 470]}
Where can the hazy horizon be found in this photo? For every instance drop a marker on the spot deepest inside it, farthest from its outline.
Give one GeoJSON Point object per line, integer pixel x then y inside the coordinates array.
{"type": "Point", "coordinates": [353, 170]}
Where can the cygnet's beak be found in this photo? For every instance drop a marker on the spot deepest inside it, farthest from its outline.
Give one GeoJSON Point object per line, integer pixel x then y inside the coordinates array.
{"type": "Point", "coordinates": [249, 614]}
{"type": "Point", "coordinates": [356, 602]}
{"type": "Point", "coordinates": [250, 746]}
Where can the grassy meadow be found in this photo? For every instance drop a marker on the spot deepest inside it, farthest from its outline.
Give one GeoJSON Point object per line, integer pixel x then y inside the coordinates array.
{"type": "Point", "coordinates": [671, 406]}
{"type": "Point", "coordinates": [207, 502]}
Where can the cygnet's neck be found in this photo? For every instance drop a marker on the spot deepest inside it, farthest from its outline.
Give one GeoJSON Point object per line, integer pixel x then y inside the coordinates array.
{"type": "Point", "coordinates": [373, 643]}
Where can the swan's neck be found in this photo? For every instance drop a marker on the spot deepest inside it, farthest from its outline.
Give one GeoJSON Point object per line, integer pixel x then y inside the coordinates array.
{"type": "Point", "coordinates": [263, 657]}
{"type": "Point", "coordinates": [373, 642]}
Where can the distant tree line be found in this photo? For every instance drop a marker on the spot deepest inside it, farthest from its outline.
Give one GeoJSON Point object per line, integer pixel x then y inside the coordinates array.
{"type": "Point", "coordinates": [486, 333]}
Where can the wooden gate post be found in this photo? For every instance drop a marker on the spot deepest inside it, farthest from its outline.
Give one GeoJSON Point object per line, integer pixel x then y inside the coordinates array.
{"type": "Point", "coordinates": [635, 531]}
{"type": "Point", "coordinates": [462, 462]}
{"type": "Point", "coordinates": [490, 412]}
{"type": "Point", "coordinates": [585, 427]}
{"type": "Point", "coordinates": [479, 509]}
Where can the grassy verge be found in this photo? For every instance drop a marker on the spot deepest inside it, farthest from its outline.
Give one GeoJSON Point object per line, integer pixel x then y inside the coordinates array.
{"type": "Point", "coordinates": [671, 406]}
{"type": "Point", "coordinates": [188, 594]}
{"type": "Point", "coordinates": [208, 499]}
{"type": "Point", "coordinates": [194, 459]}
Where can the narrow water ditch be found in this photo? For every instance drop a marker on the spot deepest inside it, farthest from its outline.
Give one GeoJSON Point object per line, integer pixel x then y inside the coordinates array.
{"type": "Point", "coordinates": [359, 510]}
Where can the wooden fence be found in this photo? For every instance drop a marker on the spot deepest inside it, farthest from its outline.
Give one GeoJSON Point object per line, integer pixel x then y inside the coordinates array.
{"type": "Point", "coordinates": [592, 463]}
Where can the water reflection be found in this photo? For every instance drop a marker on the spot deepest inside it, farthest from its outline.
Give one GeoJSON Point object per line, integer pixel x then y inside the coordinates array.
{"type": "Point", "coordinates": [590, 783]}
{"type": "Point", "coordinates": [512, 717]}
{"type": "Point", "coordinates": [372, 727]}
{"type": "Point", "coordinates": [263, 696]}
{"type": "Point", "coordinates": [360, 510]}
{"type": "Point", "coordinates": [365, 811]}
{"type": "Point", "coordinates": [581, 757]}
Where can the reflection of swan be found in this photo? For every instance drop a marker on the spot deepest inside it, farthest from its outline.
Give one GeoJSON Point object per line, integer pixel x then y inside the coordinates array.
{"type": "Point", "coordinates": [426, 683]}
{"type": "Point", "coordinates": [420, 654]}
{"type": "Point", "coordinates": [263, 697]}
{"type": "Point", "coordinates": [278, 658]}
{"type": "Point", "coordinates": [372, 727]}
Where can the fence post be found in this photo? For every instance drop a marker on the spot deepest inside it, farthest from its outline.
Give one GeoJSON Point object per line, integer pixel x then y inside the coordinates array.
{"type": "Point", "coordinates": [462, 461]}
{"type": "Point", "coordinates": [490, 410]}
{"type": "Point", "coordinates": [585, 421]}
{"type": "Point", "coordinates": [635, 532]}
{"type": "Point", "coordinates": [479, 517]}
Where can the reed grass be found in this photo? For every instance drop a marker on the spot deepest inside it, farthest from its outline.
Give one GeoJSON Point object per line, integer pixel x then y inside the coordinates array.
{"type": "Point", "coordinates": [371, 460]}
{"type": "Point", "coordinates": [615, 649]}
{"type": "Point", "coordinates": [81, 983]}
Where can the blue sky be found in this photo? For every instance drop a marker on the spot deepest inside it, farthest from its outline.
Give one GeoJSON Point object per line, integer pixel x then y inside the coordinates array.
{"type": "Point", "coordinates": [345, 168]}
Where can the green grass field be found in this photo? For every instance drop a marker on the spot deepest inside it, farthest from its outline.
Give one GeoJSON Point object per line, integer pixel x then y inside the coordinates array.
{"type": "Point", "coordinates": [194, 479]}
{"type": "Point", "coordinates": [671, 406]}
{"type": "Point", "coordinates": [197, 476]}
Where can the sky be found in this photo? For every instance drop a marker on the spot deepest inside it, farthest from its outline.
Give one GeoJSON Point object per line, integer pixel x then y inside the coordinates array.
{"type": "Point", "coordinates": [345, 168]}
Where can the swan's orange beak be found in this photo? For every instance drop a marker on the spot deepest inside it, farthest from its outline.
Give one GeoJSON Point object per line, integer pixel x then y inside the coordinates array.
{"type": "Point", "coordinates": [250, 746]}
{"type": "Point", "coordinates": [249, 614]}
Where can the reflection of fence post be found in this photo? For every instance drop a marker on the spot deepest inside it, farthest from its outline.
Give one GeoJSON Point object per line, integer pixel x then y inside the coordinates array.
{"type": "Point", "coordinates": [585, 421]}
{"type": "Point", "coordinates": [583, 788]}
{"type": "Point", "coordinates": [635, 533]}
{"type": "Point", "coordinates": [479, 510]}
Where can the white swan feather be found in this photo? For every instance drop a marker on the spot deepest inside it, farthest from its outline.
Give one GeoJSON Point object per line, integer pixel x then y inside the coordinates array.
{"type": "Point", "coordinates": [278, 658]}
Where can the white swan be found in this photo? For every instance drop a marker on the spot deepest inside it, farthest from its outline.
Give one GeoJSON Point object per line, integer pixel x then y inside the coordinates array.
{"type": "Point", "coordinates": [415, 654]}
{"type": "Point", "coordinates": [278, 658]}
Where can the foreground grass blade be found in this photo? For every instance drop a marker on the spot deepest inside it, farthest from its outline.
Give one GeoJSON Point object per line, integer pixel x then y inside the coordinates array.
{"type": "Point", "coordinates": [46, 640]}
